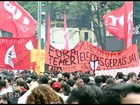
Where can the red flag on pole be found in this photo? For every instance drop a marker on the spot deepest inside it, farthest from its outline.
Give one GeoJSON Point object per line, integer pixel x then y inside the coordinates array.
{"type": "Point", "coordinates": [49, 30]}
{"type": "Point", "coordinates": [66, 44]}
{"type": "Point", "coordinates": [15, 53]}
{"type": "Point", "coordinates": [16, 20]}
{"type": "Point", "coordinates": [120, 22]}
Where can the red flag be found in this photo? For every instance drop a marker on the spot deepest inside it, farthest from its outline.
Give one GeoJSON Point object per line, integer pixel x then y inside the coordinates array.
{"type": "Point", "coordinates": [120, 22]}
{"type": "Point", "coordinates": [15, 53]}
{"type": "Point", "coordinates": [16, 20]}
{"type": "Point", "coordinates": [66, 45]}
{"type": "Point", "coordinates": [49, 32]}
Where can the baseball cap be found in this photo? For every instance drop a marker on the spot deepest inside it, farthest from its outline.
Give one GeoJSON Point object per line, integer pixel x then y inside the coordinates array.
{"type": "Point", "coordinates": [56, 85]}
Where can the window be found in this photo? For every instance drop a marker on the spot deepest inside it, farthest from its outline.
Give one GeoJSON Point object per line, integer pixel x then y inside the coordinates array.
{"type": "Point", "coordinates": [85, 35]}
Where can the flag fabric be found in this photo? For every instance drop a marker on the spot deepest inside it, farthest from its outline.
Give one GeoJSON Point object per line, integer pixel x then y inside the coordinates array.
{"type": "Point", "coordinates": [29, 45]}
{"type": "Point", "coordinates": [16, 20]}
{"type": "Point", "coordinates": [49, 31]}
{"type": "Point", "coordinates": [33, 53]}
{"type": "Point", "coordinates": [129, 23]}
{"type": "Point", "coordinates": [120, 22]}
{"type": "Point", "coordinates": [41, 55]}
{"type": "Point", "coordinates": [9, 55]}
{"type": "Point", "coordinates": [18, 45]}
{"type": "Point", "coordinates": [40, 59]}
{"type": "Point", "coordinates": [65, 32]}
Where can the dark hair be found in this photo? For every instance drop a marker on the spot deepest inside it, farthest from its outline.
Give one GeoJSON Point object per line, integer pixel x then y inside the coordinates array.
{"type": "Point", "coordinates": [114, 92]}
{"type": "Point", "coordinates": [119, 75]}
{"type": "Point", "coordinates": [139, 75]}
{"type": "Point", "coordinates": [27, 76]}
{"type": "Point", "coordinates": [98, 91]}
{"type": "Point", "coordinates": [130, 75]}
{"type": "Point", "coordinates": [34, 77]}
{"type": "Point", "coordinates": [28, 80]}
{"type": "Point", "coordinates": [2, 83]}
{"type": "Point", "coordinates": [98, 79]}
{"type": "Point", "coordinates": [125, 78]}
{"type": "Point", "coordinates": [82, 95]}
{"type": "Point", "coordinates": [66, 75]}
{"type": "Point", "coordinates": [104, 78]}
{"type": "Point", "coordinates": [21, 83]}
{"type": "Point", "coordinates": [43, 80]}
{"type": "Point", "coordinates": [9, 79]}
{"type": "Point", "coordinates": [0, 77]}
{"type": "Point", "coordinates": [60, 79]}
{"type": "Point", "coordinates": [70, 82]}
{"type": "Point", "coordinates": [85, 79]}
{"type": "Point", "coordinates": [66, 88]}
{"type": "Point", "coordinates": [26, 86]}
{"type": "Point", "coordinates": [110, 81]}
{"type": "Point", "coordinates": [4, 72]}
{"type": "Point", "coordinates": [75, 78]}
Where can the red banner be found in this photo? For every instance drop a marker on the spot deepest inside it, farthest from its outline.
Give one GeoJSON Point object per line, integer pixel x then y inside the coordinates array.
{"type": "Point", "coordinates": [14, 53]}
{"type": "Point", "coordinates": [16, 20]}
{"type": "Point", "coordinates": [79, 58]}
{"type": "Point", "coordinates": [120, 22]}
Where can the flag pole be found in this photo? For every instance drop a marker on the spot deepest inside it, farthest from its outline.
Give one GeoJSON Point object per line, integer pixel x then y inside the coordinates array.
{"type": "Point", "coordinates": [38, 30]}
{"type": "Point", "coordinates": [48, 11]}
{"type": "Point", "coordinates": [39, 20]}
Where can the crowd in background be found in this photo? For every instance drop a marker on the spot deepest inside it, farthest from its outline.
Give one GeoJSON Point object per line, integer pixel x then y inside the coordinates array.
{"type": "Point", "coordinates": [26, 87]}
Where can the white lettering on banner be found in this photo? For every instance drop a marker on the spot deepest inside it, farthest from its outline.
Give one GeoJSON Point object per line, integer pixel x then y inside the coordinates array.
{"type": "Point", "coordinates": [22, 27]}
{"type": "Point", "coordinates": [16, 15]}
{"type": "Point", "coordinates": [26, 21]}
{"type": "Point", "coordinates": [114, 20]}
{"type": "Point", "coordinates": [121, 20]}
{"type": "Point", "coordinates": [12, 9]}
{"type": "Point", "coordinates": [5, 41]}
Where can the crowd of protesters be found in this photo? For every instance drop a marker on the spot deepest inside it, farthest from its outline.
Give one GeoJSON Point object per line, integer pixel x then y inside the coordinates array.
{"type": "Point", "coordinates": [26, 87]}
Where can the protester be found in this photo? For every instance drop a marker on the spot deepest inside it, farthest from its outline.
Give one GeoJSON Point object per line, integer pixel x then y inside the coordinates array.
{"type": "Point", "coordinates": [65, 87]}
{"type": "Point", "coordinates": [3, 89]}
{"type": "Point", "coordinates": [132, 78]}
{"type": "Point", "coordinates": [119, 77]}
{"type": "Point", "coordinates": [121, 94]}
{"type": "Point", "coordinates": [65, 77]}
{"type": "Point", "coordinates": [71, 83]}
{"type": "Point", "coordinates": [82, 95]}
{"type": "Point", "coordinates": [59, 89]}
{"type": "Point", "coordinates": [43, 94]}
{"type": "Point", "coordinates": [8, 84]}
{"type": "Point", "coordinates": [23, 98]}
{"type": "Point", "coordinates": [4, 99]}
{"type": "Point", "coordinates": [98, 80]}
